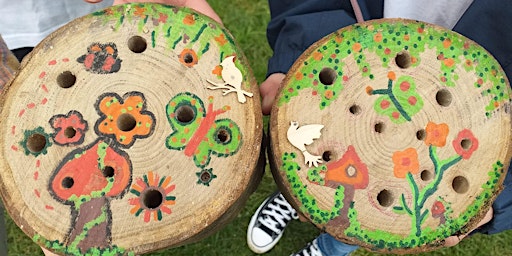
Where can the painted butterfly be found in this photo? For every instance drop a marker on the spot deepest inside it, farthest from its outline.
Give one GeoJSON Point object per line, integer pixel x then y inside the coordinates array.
{"type": "Point", "coordinates": [197, 132]}
{"type": "Point", "coordinates": [400, 101]}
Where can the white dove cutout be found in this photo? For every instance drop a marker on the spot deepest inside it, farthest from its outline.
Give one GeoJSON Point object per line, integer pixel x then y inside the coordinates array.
{"type": "Point", "coordinates": [299, 137]}
{"type": "Point", "coordinates": [232, 80]}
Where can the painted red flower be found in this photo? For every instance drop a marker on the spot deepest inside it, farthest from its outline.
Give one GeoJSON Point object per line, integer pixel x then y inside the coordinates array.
{"type": "Point", "coordinates": [405, 162]}
{"type": "Point", "coordinates": [465, 144]}
{"type": "Point", "coordinates": [69, 129]}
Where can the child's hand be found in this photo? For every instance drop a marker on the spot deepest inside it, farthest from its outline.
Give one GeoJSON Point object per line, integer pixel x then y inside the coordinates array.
{"type": "Point", "coordinates": [454, 240]}
{"type": "Point", "coordinates": [199, 5]}
{"type": "Point", "coordinates": [268, 91]}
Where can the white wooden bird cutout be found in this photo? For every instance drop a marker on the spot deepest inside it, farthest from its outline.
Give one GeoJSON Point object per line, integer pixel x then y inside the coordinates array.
{"type": "Point", "coordinates": [299, 137]}
{"type": "Point", "coordinates": [232, 80]}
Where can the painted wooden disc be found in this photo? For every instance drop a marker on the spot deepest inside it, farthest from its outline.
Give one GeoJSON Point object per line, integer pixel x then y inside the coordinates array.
{"type": "Point", "coordinates": [129, 130]}
{"type": "Point", "coordinates": [392, 134]}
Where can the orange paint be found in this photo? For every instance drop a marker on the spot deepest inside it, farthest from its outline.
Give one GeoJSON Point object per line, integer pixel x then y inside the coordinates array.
{"type": "Point", "coordinates": [436, 134]}
{"type": "Point", "coordinates": [405, 162]}
{"type": "Point", "coordinates": [378, 37]}
{"type": "Point", "coordinates": [447, 42]}
{"type": "Point", "coordinates": [349, 170]}
{"type": "Point", "coordinates": [299, 76]}
{"type": "Point", "coordinates": [221, 39]}
{"type": "Point", "coordinates": [356, 47]}
{"type": "Point", "coordinates": [189, 19]}
{"type": "Point", "coordinates": [204, 127]}
{"type": "Point", "coordinates": [317, 56]}
{"type": "Point", "coordinates": [391, 75]}
{"type": "Point", "coordinates": [449, 62]}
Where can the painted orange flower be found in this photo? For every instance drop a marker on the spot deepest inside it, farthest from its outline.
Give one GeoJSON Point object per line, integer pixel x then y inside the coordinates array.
{"type": "Point", "coordinates": [465, 144]}
{"type": "Point", "coordinates": [436, 134]}
{"type": "Point", "coordinates": [405, 162]}
{"type": "Point", "coordinates": [188, 57]}
{"type": "Point", "coordinates": [124, 119]}
{"type": "Point", "coordinates": [221, 39]}
{"type": "Point", "coordinates": [189, 19]}
{"type": "Point", "coordinates": [217, 70]}
{"type": "Point", "coordinates": [152, 196]}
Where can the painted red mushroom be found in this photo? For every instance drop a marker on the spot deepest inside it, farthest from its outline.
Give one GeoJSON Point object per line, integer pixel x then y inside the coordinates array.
{"type": "Point", "coordinates": [438, 211]}
{"type": "Point", "coordinates": [351, 173]}
{"type": "Point", "coordinates": [87, 179]}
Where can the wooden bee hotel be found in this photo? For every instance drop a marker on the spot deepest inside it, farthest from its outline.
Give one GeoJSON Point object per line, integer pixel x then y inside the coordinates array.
{"type": "Point", "coordinates": [392, 134]}
{"type": "Point", "coordinates": [130, 130]}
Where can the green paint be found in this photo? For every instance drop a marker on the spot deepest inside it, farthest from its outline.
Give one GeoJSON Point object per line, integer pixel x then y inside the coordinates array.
{"type": "Point", "coordinates": [400, 101]}
{"type": "Point", "coordinates": [209, 143]}
{"type": "Point", "coordinates": [383, 240]}
{"type": "Point", "coordinates": [88, 226]}
{"type": "Point", "coordinates": [173, 28]}
{"type": "Point", "coordinates": [386, 40]}
{"type": "Point", "coordinates": [79, 200]}
{"type": "Point", "coordinates": [33, 138]}
{"type": "Point", "coordinates": [102, 152]}
{"type": "Point", "coordinates": [59, 247]}
{"type": "Point", "coordinates": [307, 202]}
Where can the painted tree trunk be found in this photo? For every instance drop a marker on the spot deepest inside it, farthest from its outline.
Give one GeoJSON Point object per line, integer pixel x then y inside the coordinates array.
{"type": "Point", "coordinates": [92, 225]}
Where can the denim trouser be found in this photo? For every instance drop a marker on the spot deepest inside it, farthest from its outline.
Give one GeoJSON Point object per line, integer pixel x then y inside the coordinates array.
{"type": "Point", "coordinates": [328, 245]}
{"type": "Point", "coordinates": [3, 232]}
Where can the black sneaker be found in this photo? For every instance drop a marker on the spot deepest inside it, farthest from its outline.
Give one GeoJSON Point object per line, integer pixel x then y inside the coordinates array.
{"type": "Point", "coordinates": [268, 223]}
{"type": "Point", "coordinates": [311, 249]}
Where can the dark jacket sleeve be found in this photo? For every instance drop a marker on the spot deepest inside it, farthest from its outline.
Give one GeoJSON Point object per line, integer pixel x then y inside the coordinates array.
{"type": "Point", "coordinates": [489, 23]}
{"type": "Point", "coordinates": [296, 24]}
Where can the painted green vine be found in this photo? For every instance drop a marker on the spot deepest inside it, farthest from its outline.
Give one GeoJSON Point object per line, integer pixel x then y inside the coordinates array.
{"type": "Point", "coordinates": [388, 40]}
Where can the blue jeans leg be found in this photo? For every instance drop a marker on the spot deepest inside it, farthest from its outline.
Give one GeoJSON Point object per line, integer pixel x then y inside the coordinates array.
{"type": "Point", "coordinates": [329, 246]}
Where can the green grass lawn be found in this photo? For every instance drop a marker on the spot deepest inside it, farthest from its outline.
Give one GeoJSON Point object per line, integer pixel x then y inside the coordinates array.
{"type": "Point", "coordinates": [247, 21]}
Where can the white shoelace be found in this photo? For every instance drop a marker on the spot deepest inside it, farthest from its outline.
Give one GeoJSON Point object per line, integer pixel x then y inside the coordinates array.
{"type": "Point", "coordinates": [279, 214]}
{"type": "Point", "coordinates": [312, 250]}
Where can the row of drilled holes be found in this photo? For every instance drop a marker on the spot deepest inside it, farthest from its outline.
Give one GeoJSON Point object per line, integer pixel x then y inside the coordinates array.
{"type": "Point", "coordinates": [386, 198]}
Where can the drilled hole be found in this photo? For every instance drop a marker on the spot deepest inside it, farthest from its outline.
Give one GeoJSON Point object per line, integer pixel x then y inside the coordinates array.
{"type": "Point", "coordinates": [379, 127]}
{"type": "Point", "coordinates": [327, 156]}
{"type": "Point", "coordinates": [36, 143]}
{"type": "Point", "coordinates": [188, 58]}
{"type": "Point", "coordinates": [68, 182]}
{"type": "Point", "coordinates": [69, 132]}
{"type": "Point", "coordinates": [421, 134]}
{"type": "Point", "coordinates": [426, 175]}
{"type": "Point", "coordinates": [126, 122]}
{"type": "Point", "coordinates": [327, 76]}
{"type": "Point", "coordinates": [223, 135]}
{"type": "Point", "coordinates": [466, 144]}
{"type": "Point", "coordinates": [385, 198]}
{"type": "Point", "coordinates": [66, 79]}
{"type": "Point", "coordinates": [108, 172]}
{"type": "Point", "coordinates": [403, 59]}
{"type": "Point", "coordinates": [444, 98]}
{"type": "Point", "coordinates": [205, 177]}
{"type": "Point", "coordinates": [137, 44]}
{"type": "Point", "coordinates": [355, 109]}
{"type": "Point", "coordinates": [460, 184]}
{"type": "Point", "coordinates": [185, 114]}
{"type": "Point", "coordinates": [152, 198]}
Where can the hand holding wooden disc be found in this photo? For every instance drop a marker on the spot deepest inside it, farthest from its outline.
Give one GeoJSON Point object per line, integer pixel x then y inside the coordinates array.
{"type": "Point", "coordinates": [132, 129]}
{"type": "Point", "coordinates": [392, 134]}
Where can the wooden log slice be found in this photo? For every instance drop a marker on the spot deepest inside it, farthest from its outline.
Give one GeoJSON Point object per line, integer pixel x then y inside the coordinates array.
{"type": "Point", "coordinates": [392, 134]}
{"type": "Point", "coordinates": [132, 129]}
